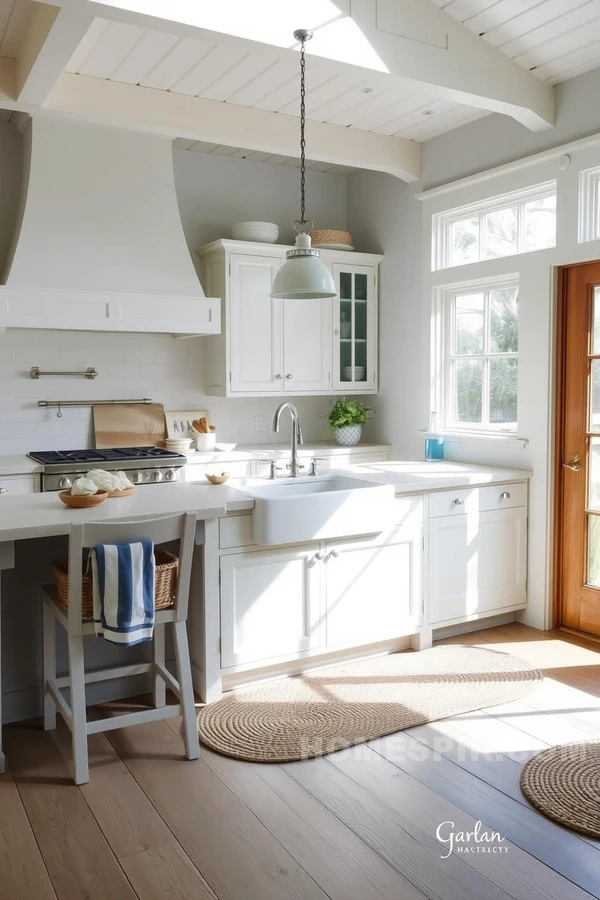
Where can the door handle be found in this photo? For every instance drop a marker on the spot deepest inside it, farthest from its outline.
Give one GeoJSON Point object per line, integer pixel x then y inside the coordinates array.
{"type": "Point", "coordinates": [575, 464]}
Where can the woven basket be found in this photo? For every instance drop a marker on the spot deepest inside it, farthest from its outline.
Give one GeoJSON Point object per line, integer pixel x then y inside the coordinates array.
{"type": "Point", "coordinates": [331, 236]}
{"type": "Point", "coordinates": [165, 583]}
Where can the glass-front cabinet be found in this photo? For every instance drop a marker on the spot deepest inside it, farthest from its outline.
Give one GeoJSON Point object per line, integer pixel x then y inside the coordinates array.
{"type": "Point", "coordinates": [355, 329]}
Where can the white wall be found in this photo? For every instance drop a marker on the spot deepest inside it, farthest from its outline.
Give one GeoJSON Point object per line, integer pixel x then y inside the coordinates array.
{"type": "Point", "coordinates": [214, 193]}
{"type": "Point", "coordinates": [389, 219]}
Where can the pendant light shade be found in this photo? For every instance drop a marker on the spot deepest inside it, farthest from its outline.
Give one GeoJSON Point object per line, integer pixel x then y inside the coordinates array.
{"type": "Point", "coordinates": [303, 276]}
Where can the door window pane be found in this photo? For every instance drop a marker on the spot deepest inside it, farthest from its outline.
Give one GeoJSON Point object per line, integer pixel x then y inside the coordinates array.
{"type": "Point", "coordinates": [504, 321]}
{"type": "Point", "coordinates": [594, 470]}
{"type": "Point", "coordinates": [596, 322]}
{"type": "Point", "coordinates": [469, 390]}
{"type": "Point", "coordinates": [469, 324]}
{"type": "Point", "coordinates": [540, 223]}
{"type": "Point", "coordinates": [593, 574]}
{"type": "Point", "coordinates": [595, 396]}
{"type": "Point", "coordinates": [345, 285]}
{"type": "Point", "coordinates": [360, 287]}
{"type": "Point", "coordinates": [503, 391]}
{"type": "Point", "coordinates": [501, 232]}
{"type": "Point", "coordinates": [464, 241]}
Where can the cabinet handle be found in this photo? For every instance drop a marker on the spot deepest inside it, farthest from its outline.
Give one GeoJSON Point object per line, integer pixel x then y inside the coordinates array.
{"type": "Point", "coordinates": [336, 332]}
{"type": "Point", "coordinates": [459, 501]}
{"type": "Point", "coordinates": [333, 554]}
{"type": "Point", "coordinates": [319, 556]}
{"type": "Point", "coordinates": [289, 376]}
{"type": "Point", "coordinates": [505, 495]}
{"type": "Point", "coordinates": [3, 490]}
{"type": "Point", "coordinates": [278, 376]}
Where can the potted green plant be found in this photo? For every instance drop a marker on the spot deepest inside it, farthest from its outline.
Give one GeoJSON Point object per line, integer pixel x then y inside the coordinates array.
{"type": "Point", "coordinates": [346, 419]}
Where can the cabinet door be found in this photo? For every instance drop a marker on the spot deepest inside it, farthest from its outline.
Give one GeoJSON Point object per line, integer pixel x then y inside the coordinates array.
{"type": "Point", "coordinates": [373, 588]}
{"type": "Point", "coordinates": [307, 345]}
{"type": "Point", "coordinates": [269, 605]}
{"type": "Point", "coordinates": [254, 325]}
{"type": "Point", "coordinates": [477, 563]}
{"type": "Point", "coordinates": [354, 329]}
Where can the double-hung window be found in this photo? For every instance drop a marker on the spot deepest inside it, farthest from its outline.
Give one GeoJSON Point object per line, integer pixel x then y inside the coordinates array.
{"type": "Point", "coordinates": [478, 363]}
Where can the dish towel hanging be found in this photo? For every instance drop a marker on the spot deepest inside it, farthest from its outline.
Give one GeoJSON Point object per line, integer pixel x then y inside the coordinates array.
{"type": "Point", "coordinates": [123, 591]}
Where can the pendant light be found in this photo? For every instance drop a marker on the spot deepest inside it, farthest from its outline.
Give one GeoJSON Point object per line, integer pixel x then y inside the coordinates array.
{"type": "Point", "coordinates": [303, 276]}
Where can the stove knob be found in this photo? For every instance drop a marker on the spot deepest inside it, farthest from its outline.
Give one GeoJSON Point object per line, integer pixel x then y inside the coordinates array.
{"type": "Point", "coordinates": [137, 477]}
{"type": "Point", "coordinates": [156, 476]}
{"type": "Point", "coordinates": [65, 483]}
{"type": "Point", "coordinates": [170, 475]}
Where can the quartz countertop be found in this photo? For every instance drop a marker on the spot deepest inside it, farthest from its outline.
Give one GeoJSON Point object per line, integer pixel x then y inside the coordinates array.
{"type": "Point", "coordinates": [415, 477]}
{"type": "Point", "coordinates": [19, 464]}
{"type": "Point", "coordinates": [282, 450]}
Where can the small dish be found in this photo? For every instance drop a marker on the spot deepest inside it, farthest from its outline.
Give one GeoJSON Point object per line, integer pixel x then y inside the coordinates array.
{"type": "Point", "coordinates": [126, 492]}
{"type": "Point", "coordinates": [82, 501]}
{"type": "Point", "coordinates": [225, 448]}
{"type": "Point", "coordinates": [218, 479]}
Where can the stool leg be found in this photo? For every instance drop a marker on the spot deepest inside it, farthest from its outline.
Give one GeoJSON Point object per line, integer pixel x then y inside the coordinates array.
{"type": "Point", "coordinates": [49, 640]}
{"type": "Point", "coordinates": [78, 725]}
{"type": "Point", "coordinates": [184, 674]}
{"type": "Point", "coordinates": [158, 655]}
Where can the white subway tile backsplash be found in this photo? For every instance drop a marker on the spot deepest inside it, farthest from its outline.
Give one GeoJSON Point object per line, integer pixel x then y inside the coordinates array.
{"type": "Point", "coordinates": [130, 366]}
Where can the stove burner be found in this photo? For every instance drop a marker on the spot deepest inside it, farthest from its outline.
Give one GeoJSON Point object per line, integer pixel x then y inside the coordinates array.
{"type": "Point", "coordinates": [54, 457]}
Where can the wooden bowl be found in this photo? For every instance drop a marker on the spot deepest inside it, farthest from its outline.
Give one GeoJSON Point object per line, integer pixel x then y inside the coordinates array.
{"type": "Point", "coordinates": [218, 479]}
{"type": "Point", "coordinates": [82, 501]}
{"type": "Point", "coordinates": [127, 492]}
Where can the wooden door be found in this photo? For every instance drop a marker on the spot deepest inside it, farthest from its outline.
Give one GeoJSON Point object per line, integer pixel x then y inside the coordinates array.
{"type": "Point", "coordinates": [307, 345]}
{"type": "Point", "coordinates": [256, 358]}
{"type": "Point", "coordinates": [269, 605]}
{"type": "Point", "coordinates": [578, 456]}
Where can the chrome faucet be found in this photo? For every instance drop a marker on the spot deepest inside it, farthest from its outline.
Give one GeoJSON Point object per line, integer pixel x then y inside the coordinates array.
{"type": "Point", "coordinates": [297, 438]}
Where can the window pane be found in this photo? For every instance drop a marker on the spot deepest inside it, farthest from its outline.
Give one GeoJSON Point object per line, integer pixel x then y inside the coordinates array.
{"type": "Point", "coordinates": [501, 232]}
{"type": "Point", "coordinates": [345, 285]}
{"type": "Point", "coordinates": [595, 396]}
{"type": "Point", "coordinates": [540, 223]}
{"type": "Point", "coordinates": [596, 320]}
{"type": "Point", "coordinates": [503, 391]}
{"type": "Point", "coordinates": [504, 321]}
{"type": "Point", "coordinates": [464, 241]}
{"type": "Point", "coordinates": [468, 311]}
{"type": "Point", "coordinates": [468, 389]}
{"type": "Point", "coordinates": [594, 469]}
{"type": "Point", "coordinates": [594, 551]}
{"type": "Point", "coordinates": [360, 287]}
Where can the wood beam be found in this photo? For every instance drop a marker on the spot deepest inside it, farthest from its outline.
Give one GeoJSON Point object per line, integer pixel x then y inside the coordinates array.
{"type": "Point", "coordinates": [407, 39]}
{"type": "Point", "coordinates": [51, 38]}
{"type": "Point", "coordinates": [8, 81]}
{"type": "Point", "coordinates": [176, 115]}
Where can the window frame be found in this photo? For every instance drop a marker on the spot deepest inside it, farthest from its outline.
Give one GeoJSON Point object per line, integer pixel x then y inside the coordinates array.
{"type": "Point", "coordinates": [444, 358]}
{"type": "Point", "coordinates": [589, 205]}
{"type": "Point", "coordinates": [442, 223]}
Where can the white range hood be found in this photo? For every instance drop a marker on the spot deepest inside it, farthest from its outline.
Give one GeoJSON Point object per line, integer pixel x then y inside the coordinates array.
{"type": "Point", "coordinates": [99, 245]}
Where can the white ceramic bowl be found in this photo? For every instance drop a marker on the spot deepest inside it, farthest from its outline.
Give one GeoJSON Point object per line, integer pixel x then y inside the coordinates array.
{"type": "Point", "coordinates": [263, 232]}
{"type": "Point", "coordinates": [178, 444]}
{"type": "Point", "coordinates": [225, 448]}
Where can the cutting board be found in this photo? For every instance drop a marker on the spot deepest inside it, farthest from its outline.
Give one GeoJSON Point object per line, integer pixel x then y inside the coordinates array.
{"type": "Point", "coordinates": [138, 425]}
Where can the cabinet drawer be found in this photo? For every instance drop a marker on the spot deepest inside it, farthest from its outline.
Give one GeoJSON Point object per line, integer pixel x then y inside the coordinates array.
{"type": "Point", "coordinates": [19, 484]}
{"type": "Point", "coordinates": [466, 500]}
{"type": "Point", "coordinates": [235, 531]}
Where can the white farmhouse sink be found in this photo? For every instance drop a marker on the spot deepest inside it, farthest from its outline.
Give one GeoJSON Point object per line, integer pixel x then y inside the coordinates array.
{"type": "Point", "coordinates": [317, 508]}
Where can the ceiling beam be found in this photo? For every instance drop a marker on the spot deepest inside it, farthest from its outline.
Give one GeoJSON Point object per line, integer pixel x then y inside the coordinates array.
{"type": "Point", "coordinates": [52, 36]}
{"type": "Point", "coordinates": [411, 40]}
{"type": "Point", "coordinates": [176, 115]}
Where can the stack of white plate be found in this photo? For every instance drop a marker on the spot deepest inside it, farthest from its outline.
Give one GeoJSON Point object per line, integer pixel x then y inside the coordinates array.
{"type": "Point", "coordinates": [354, 374]}
{"type": "Point", "coordinates": [262, 232]}
{"type": "Point", "coordinates": [179, 445]}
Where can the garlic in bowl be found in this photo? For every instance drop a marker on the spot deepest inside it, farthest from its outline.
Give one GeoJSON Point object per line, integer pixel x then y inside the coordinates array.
{"type": "Point", "coordinates": [218, 479]}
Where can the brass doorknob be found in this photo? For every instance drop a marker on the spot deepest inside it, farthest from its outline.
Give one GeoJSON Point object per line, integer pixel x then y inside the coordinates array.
{"type": "Point", "coordinates": [575, 464]}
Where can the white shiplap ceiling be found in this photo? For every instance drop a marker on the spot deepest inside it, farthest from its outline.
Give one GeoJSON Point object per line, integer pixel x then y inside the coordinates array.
{"type": "Point", "coordinates": [256, 156]}
{"type": "Point", "coordinates": [555, 39]}
{"type": "Point", "coordinates": [263, 80]}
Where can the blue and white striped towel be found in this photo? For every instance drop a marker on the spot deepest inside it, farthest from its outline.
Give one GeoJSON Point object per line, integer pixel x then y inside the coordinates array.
{"type": "Point", "coordinates": [123, 591]}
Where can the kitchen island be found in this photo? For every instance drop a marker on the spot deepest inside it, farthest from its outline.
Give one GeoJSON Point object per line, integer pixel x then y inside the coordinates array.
{"type": "Point", "coordinates": [258, 611]}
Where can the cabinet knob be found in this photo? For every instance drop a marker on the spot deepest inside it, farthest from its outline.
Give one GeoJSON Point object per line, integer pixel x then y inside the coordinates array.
{"type": "Point", "coordinates": [3, 491]}
{"type": "Point", "coordinates": [288, 376]}
{"type": "Point", "coordinates": [459, 501]}
{"type": "Point", "coordinates": [278, 376]}
{"type": "Point", "coordinates": [505, 495]}
{"type": "Point", "coordinates": [336, 332]}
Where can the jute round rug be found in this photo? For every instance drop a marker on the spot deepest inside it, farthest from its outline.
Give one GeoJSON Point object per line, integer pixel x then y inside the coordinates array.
{"type": "Point", "coordinates": [311, 715]}
{"type": "Point", "coordinates": [564, 784]}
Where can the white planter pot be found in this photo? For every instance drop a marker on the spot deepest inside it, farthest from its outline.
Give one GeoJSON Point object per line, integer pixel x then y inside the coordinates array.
{"type": "Point", "coordinates": [348, 435]}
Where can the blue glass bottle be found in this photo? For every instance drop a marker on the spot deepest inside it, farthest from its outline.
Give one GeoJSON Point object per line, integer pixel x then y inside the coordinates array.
{"type": "Point", "coordinates": [434, 442]}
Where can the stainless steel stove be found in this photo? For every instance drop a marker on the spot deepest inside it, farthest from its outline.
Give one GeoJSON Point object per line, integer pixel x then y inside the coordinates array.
{"type": "Point", "coordinates": [143, 465]}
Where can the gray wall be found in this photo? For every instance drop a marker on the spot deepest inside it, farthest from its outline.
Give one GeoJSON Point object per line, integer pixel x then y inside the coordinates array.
{"type": "Point", "coordinates": [385, 217]}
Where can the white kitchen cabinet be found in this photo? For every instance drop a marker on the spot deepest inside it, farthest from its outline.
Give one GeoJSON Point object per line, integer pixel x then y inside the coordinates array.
{"type": "Point", "coordinates": [19, 484]}
{"type": "Point", "coordinates": [269, 605]}
{"type": "Point", "coordinates": [355, 328]}
{"type": "Point", "coordinates": [273, 347]}
{"type": "Point", "coordinates": [373, 588]}
{"type": "Point", "coordinates": [477, 564]}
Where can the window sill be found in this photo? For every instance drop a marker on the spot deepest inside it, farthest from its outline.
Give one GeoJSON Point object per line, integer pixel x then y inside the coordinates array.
{"type": "Point", "coordinates": [465, 437]}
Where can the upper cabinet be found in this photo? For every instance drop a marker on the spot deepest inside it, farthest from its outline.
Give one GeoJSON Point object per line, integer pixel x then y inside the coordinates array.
{"type": "Point", "coordinates": [279, 347]}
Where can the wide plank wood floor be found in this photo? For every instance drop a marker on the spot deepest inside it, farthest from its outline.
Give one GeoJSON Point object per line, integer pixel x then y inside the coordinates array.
{"type": "Point", "coordinates": [356, 825]}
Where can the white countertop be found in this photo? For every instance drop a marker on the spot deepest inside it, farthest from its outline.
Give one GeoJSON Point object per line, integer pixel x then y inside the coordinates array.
{"type": "Point", "coordinates": [40, 515]}
{"type": "Point", "coordinates": [18, 465]}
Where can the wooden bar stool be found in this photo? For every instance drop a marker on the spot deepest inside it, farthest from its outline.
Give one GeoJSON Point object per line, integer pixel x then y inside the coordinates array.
{"type": "Point", "coordinates": [179, 527]}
